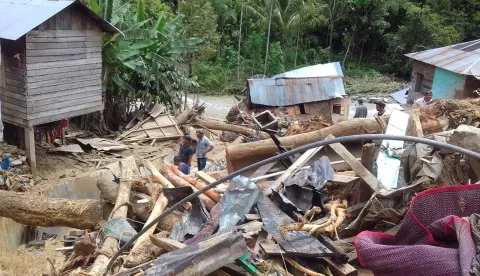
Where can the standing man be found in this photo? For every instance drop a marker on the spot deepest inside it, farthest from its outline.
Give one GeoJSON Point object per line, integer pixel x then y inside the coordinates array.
{"type": "Point", "coordinates": [380, 108]}
{"type": "Point", "coordinates": [203, 147]}
{"type": "Point", "coordinates": [361, 111]}
{"type": "Point", "coordinates": [186, 152]}
{"type": "Point", "coordinates": [426, 100]}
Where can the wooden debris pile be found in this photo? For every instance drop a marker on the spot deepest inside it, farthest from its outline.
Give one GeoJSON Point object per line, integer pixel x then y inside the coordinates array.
{"type": "Point", "coordinates": [445, 114]}
{"type": "Point", "coordinates": [312, 124]}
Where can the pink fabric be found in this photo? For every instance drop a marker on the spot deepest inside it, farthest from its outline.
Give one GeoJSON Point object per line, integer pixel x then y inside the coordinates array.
{"type": "Point", "coordinates": [433, 239]}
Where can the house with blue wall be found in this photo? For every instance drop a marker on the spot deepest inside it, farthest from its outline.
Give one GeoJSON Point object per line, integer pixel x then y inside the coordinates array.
{"type": "Point", "coordinates": [451, 72]}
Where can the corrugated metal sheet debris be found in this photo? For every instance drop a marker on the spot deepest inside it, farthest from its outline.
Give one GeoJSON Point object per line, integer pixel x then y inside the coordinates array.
{"type": "Point", "coordinates": [17, 17]}
{"type": "Point", "coordinates": [458, 58]}
{"type": "Point", "coordinates": [295, 87]}
{"type": "Point", "coordinates": [315, 71]}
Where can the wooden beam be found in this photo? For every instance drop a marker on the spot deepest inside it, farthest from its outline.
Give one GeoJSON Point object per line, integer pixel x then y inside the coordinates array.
{"type": "Point", "coordinates": [30, 149]}
{"type": "Point", "coordinates": [340, 269]}
{"type": "Point", "coordinates": [416, 126]}
{"type": "Point", "coordinates": [205, 177]}
{"type": "Point", "coordinates": [367, 176]}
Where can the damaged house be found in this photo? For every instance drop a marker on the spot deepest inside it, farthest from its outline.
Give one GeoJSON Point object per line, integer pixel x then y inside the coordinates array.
{"type": "Point", "coordinates": [316, 90]}
{"type": "Point", "coordinates": [50, 63]}
{"type": "Point", "coordinates": [449, 71]}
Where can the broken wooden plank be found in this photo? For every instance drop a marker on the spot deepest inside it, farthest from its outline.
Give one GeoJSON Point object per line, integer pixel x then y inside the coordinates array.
{"type": "Point", "coordinates": [367, 176]}
{"type": "Point", "coordinates": [344, 179]}
{"type": "Point", "coordinates": [295, 243]}
{"type": "Point", "coordinates": [205, 177]}
{"type": "Point", "coordinates": [262, 170]}
{"type": "Point", "coordinates": [250, 217]}
{"type": "Point", "coordinates": [416, 126]}
{"type": "Point", "coordinates": [272, 249]}
{"type": "Point", "coordinates": [297, 165]}
{"type": "Point", "coordinates": [340, 269]}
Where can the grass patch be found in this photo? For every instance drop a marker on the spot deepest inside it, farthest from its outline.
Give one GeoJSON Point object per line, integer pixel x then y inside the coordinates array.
{"type": "Point", "coordinates": [363, 78]}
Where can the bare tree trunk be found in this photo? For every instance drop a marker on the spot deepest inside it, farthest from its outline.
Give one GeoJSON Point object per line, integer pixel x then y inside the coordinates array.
{"type": "Point", "coordinates": [361, 51]}
{"type": "Point", "coordinates": [110, 244]}
{"type": "Point", "coordinates": [296, 51]}
{"type": "Point", "coordinates": [330, 41]}
{"type": "Point", "coordinates": [49, 212]}
{"type": "Point", "coordinates": [239, 42]}
{"type": "Point", "coordinates": [245, 154]}
{"type": "Point", "coordinates": [268, 38]}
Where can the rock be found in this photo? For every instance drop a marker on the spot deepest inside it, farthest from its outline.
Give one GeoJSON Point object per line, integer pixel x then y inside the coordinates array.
{"type": "Point", "coordinates": [354, 98]}
{"type": "Point", "coordinates": [374, 99]}
{"type": "Point", "coordinates": [386, 100]}
{"type": "Point", "coordinates": [6, 155]}
{"type": "Point", "coordinates": [22, 158]}
{"type": "Point", "coordinates": [16, 163]}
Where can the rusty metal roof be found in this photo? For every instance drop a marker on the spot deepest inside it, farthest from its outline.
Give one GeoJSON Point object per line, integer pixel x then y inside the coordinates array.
{"type": "Point", "coordinates": [17, 17]}
{"type": "Point", "coordinates": [309, 84]}
{"type": "Point", "coordinates": [459, 58]}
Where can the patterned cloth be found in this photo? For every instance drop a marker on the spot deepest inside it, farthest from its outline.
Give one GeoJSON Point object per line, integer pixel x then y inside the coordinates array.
{"type": "Point", "coordinates": [434, 238]}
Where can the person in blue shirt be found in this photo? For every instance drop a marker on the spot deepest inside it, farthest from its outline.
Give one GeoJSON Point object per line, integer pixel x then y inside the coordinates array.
{"type": "Point", "coordinates": [186, 151]}
{"type": "Point", "coordinates": [184, 168]}
{"type": "Point", "coordinates": [203, 147]}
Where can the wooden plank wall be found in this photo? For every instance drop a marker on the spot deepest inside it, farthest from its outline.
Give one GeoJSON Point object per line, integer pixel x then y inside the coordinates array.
{"type": "Point", "coordinates": [64, 67]}
{"type": "Point", "coordinates": [14, 94]}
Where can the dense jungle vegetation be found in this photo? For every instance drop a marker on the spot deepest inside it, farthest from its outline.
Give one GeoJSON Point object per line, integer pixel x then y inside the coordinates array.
{"type": "Point", "coordinates": [174, 47]}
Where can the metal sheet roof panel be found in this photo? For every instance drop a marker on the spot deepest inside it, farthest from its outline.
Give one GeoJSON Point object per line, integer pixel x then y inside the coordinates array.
{"type": "Point", "coordinates": [314, 71]}
{"type": "Point", "coordinates": [18, 17]}
{"type": "Point", "coordinates": [458, 58]}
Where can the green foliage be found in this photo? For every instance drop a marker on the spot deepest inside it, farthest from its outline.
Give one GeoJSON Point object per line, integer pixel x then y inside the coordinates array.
{"type": "Point", "coordinates": [276, 63]}
{"type": "Point", "coordinates": [370, 37]}
{"type": "Point", "coordinates": [212, 78]}
{"type": "Point", "coordinates": [201, 22]}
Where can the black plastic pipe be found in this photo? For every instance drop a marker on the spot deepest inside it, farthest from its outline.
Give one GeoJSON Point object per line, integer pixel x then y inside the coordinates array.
{"type": "Point", "coordinates": [343, 139]}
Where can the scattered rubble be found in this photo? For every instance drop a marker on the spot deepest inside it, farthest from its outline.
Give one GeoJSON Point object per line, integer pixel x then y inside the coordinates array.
{"type": "Point", "coordinates": [301, 215]}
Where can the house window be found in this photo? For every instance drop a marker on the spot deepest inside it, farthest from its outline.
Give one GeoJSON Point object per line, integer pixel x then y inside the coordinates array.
{"type": "Point", "coordinates": [337, 109]}
{"type": "Point", "coordinates": [418, 82]}
{"type": "Point", "coordinates": [302, 108]}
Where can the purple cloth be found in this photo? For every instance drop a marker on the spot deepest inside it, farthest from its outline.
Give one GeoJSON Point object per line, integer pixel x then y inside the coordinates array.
{"type": "Point", "coordinates": [433, 239]}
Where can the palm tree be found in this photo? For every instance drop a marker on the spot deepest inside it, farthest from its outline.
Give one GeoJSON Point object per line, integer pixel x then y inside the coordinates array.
{"type": "Point", "coordinates": [285, 15]}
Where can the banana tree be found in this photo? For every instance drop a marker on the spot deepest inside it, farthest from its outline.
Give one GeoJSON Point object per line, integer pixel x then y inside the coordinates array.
{"type": "Point", "coordinates": [146, 60]}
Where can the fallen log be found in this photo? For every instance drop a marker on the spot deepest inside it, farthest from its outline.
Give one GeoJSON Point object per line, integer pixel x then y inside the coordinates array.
{"type": "Point", "coordinates": [180, 182]}
{"type": "Point", "coordinates": [110, 244]}
{"type": "Point", "coordinates": [197, 184]}
{"type": "Point", "coordinates": [185, 116]}
{"type": "Point", "coordinates": [241, 155]}
{"type": "Point", "coordinates": [108, 192]}
{"type": "Point", "coordinates": [34, 210]}
{"type": "Point", "coordinates": [219, 125]}
{"type": "Point", "coordinates": [145, 252]}
{"type": "Point", "coordinates": [137, 249]}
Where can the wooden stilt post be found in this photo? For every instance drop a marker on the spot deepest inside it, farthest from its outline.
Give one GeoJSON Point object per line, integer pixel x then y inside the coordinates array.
{"type": "Point", "coordinates": [30, 149]}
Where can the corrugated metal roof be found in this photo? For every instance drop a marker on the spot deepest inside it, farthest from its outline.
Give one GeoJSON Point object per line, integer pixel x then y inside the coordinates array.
{"type": "Point", "coordinates": [315, 71]}
{"type": "Point", "coordinates": [17, 17]}
{"type": "Point", "coordinates": [290, 88]}
{"type": "Point", "coordinates": [458, 58]}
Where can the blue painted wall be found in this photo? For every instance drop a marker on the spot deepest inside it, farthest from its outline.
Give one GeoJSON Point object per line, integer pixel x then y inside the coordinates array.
{"type": "Point", "coordinates": [445, 83]}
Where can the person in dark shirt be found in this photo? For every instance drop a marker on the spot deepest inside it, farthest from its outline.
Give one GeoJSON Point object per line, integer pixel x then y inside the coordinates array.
{"type": "Point", "coordinates": [361, 111]}
{"type": "Point", "coordinates": [184, 168]}
{"type": "Point", "coordinates": [186, 151]}
{"type": "Point", "coordinates": [380, 108]}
